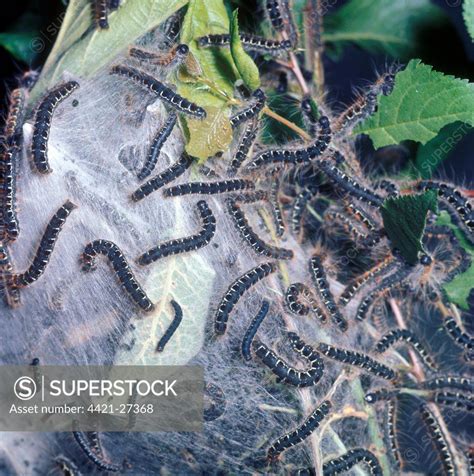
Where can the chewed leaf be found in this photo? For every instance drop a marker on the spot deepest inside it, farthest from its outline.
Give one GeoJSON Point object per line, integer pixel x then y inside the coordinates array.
{"type": "Point", "coordinates": [209, 136]}
{"type": "Point", "coordinates": [422, 102]}
{"type": "Point", "coordinates": [244, 63]}
{"type": "Point", "coordinates": [468, 13]}
{"type": "Point", "coordinates": [459, 288]}
{"type": "Point", "coordinates": [391, 27]}
{"type": "Point", "coordinates": [214, 87]}
{"type": "Point", "coordinates": [404, 220]}
{"type": "Point", "coordinates": [82, 50]}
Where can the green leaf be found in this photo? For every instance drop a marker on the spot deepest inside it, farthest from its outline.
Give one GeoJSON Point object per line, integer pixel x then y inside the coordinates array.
{"type": "Point", "coordinates": [390, 27]}
{"type": "Point", "coordinates": [404, 221]}
{"type": "Point", "coordinates": [214, 88]}
{"type": "Point", "coordinates": [459, 288]}
{"type": "Point", "coordinates": [82, 50]}
{"type": "Point", "coordinates": [422, 102]}
{"type": "Point", "coordinates": [432, 154]}
{"type": "Point", "coordinates": [468, 13]}
{"type": "Point", "coordinates": [246, 67]}
{"type": "Point", "coordinates": [19, 45]}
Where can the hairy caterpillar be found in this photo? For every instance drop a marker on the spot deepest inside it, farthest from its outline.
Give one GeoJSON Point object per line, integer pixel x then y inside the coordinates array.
{"type": "Point", "coordinates": [348, 460]}
{"type": "Point", "coordinates": [209, 188]}
{"type": "Point", "coordinates": [249, 43]}
{"type": "Point", "coordinates": [42, 124]}
{"type": "Point", "coordinates": [299, 208]}
{"type": "Point", "coordinates": [274, 14]}
{"type": "Point", "coordinates": [235, 292]}
{"type": "Point", "coordinates": [101, 14]}
{"type": "Point", "coordinates": [9, 293]}
{"type": "Point", "coordinates": [92, 455]}
{"type": "Point", "coordinates": [156, 145]}
{"type": "Point", "coordinates": [245, 143]}
{"type": "Point", "coordinates": [252, 330]}
{"type": "Point", "coordinates": [66, 466]}
{"type": "Point", "coordinates": [296, 307]}
{"type": "Point", "coordinates": [438, 439]}
{"type": "Point", "coordinates": [286, 373]}
{"type": "Point", "coordinates": [13, 122]}
{"type": "Point", "coordinates": [296, 156]}
{"type": "Point", "coordinates": [380, 395]}
{"type": "Point", "coordinates": [163, 92]}
{"type": "Point", "coordinates": [301, 433]}
{"type": "Point", "coordinates": [319, 277]}
{"type": "Point", "coordinates": [460, 383]}
{"type": "Point", "coordinates": [45, 248]}
{"type": "Point", "coordinates": [461, 338]}
{"type": "Point", "coordinates": [249, 235]}
{"type": "Point", "coordinates": [121, 269]}
{"type": "Point", "coordinates": [456, 400]}
{"type": "Point", "coordinates": [10, 228]}
{"type": "Point", "coordinates": [392, 410]}
{"type": "Point", "coordinates": [163, 178]}
{"type": "Point", "coordinates": [404, 334]}
{"type": "Point", "coordinates": [357, 359]}
{"type": "Point", "coordinates": [251, 111]}
{"type": "Point", "coordinates": [276, 209]}
{"type": "Point", "coordinates": [178, 317]}
{"type": "Point", "coordinates": [309, 116]}
{"type": "Point", "coordinates": [189, 243]}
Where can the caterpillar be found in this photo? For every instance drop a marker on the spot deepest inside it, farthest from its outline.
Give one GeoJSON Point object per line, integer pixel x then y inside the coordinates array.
{"type": "Point", "coordinates": [218, 402]}
{"type": "Point", "coordinates": [459, 337]}
{"type": "Point", "coordinates": [438, 439]}
{"type": "Point", "coordinates": [274, 14]}
{"type": "Point", "coordinates": [396, 335]}
{"type": "Point", "coordinates": [346, 224]}
{"type": "Point", "coordinates": [460, 383]}
{"type": "Point", "coordinates": [163, 178]}
{"type": "Point", "coordinates": [301, 433]}
{"type": "Point", "coordinates": [319, 278]}
{"type": "Point", "coordinates": [351, 458]}
{"type": "Point", "coordinates": [235, 292]}
{"type": "Point", "coordinates": [249, 43]}
{"type": "Point", "coordinates": [156, 145]}
{"type": "Point", "coordinates": [389, 187]}
{"type": "Point", "coordinates": [10, 294]}
{"type": "Point", "coordinates": [348, 184]}
{"type": "Point", "coordinates": [249, 235]}
{"type": "Point", "coordinates": [182, 245]}
{"type": "Point", "coordinates": [95, 458]}
{"type": "Point", "coordinates": [395, 279]}
{"type": "Point", "coordinates": [392, 411]}
{"type": "Point", "coordinates": [100, 13]}
{"type": "Point", "coordinates": [357, 359]}
{"type": "Point", "coordinates": [66, 466]}
{"type": "Point", "coordinates": [113, 4]}
{"type": "Point", "coordinates": [245, 143]}
{"type": "Point", "coordinates": [286, 373]}
{"type": "Point", "coordinates": [10, 228]}
{"type": "Point", "coordinates": [45, 248]}
{"type": "Point", "coordinates": [381, 394]}
{"type": "Point", "coordinates": [120, 267]}
{"type": "Point", "coordinates": [299, 155]}
{"type": "Point", "coordinates": [13, 122]}
{"type": "Point", "coordinates": [456, 202]}
{"type": "Point", "coordinates": [299, 207]}
{"type": "Point", "coordinates": [174, 57]}
{"type": "Point", "coordinates": [178, 317]}
{"type": "Point", "coordinates": [310, 117]}
{"type": "Point", "coordinates": [252, 329]}
{"type": "Point", "coordinates": [42, 124]}
{"type": "Point", "coordinates": [362, 216]}
{"type": "Point", "coordinates": [251, 111]}
{"type": "Point", "coordinates": [296, 307]}
{"type": "Point", "coordinates": [457, 400]}
{"type": "Point", "coordinates": [276, 209]}
{"type": "Point", "coordinates": [364, 107]}
{"type": "Point", "coordinates": [209, 188]}
{"type": "Point", "coordinates": [163, 92]}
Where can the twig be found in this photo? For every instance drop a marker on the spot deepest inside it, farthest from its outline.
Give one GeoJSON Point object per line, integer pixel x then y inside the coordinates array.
{"type": "Point", "coordinates": [266, 110]}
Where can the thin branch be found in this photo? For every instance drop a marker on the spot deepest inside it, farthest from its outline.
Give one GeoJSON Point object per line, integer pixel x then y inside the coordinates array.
{"type": "Point", "coordinates": [266, 110]}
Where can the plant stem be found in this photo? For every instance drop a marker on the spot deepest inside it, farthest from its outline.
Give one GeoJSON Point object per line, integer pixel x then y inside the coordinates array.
{"type": "Point", "coordinates": [266, 110]}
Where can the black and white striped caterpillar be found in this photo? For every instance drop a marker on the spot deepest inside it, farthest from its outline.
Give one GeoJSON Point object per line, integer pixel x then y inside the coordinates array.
{"type": "Point", "coordinates": [121, 269]}
{"type": "Point", "coordinates": [301, 433]}
{"type": "Point", "coordinates": [178, 317]}
{"type": "Point", "coordinates": [235, 292]}
{"type": "Point", "coordinates": [252, 330]}
{"type": "Point", "coordinates": [182, 245]}
{"type": "Point", "coordinates": [249, 43]}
